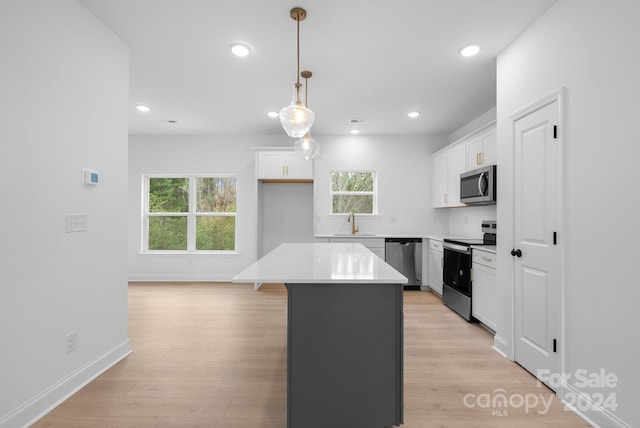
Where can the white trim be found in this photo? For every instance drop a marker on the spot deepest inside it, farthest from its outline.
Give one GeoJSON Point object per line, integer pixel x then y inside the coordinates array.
{"type": "Point", "coordinates": [595, 415]}
{"type": "Point", "coordinates": [178, 278]}
{"type": "Point", "coordinates": [37, 407]}
{"type": "Point", "coordinates": [559, 97]}
{"type": "Point", "coordinates": [501, 346]}
{"type": "Point", "coordinates": [475, 133]}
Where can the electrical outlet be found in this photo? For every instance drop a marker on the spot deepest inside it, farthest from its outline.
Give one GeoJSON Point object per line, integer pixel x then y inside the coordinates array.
{"type": "Point", "coordinates": [75, 223]}
{"type": "Point", "coordinates": [72, 341]}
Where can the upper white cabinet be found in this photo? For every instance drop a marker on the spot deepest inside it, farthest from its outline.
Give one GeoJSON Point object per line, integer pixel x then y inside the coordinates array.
{"type": "Point", "coordinates": [448, 164]}
{"type": "Point", "coordinates": [283, 165]}
{"type": "Point", "coordinates": [467, 154]}
{"type": "Point", "coordinates": [481, 150]}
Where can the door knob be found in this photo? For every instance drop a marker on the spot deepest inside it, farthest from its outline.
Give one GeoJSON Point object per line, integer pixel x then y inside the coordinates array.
{"type": "Point", "coordinates": [516, 253]}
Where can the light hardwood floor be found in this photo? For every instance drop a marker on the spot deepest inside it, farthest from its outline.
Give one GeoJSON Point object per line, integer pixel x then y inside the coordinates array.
{"type": "Point", "coordinates": [214, 355]}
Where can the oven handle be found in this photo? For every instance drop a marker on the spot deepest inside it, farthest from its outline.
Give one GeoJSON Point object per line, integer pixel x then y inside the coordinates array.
{"type": "Point", "coordinates": [455, 247]}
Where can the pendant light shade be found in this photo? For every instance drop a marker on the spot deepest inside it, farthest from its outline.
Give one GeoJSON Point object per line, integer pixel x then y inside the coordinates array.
{"type": "Point", "coordinates": [307, 148]}
{"type": "Point", "coordinates": [296, 119]}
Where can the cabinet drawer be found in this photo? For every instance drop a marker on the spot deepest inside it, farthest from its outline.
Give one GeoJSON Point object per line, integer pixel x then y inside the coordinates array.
{"type": "Point", "coordinates": [435, 245]}
{"type": "Point", "coordinates": [484, 258]}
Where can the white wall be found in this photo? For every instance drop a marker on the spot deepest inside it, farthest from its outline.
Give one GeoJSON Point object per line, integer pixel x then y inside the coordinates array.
{"type": "Point", "coordinates": [195, 155]}
{"type": "Point", "coordinates": [467, 221]}
{"type": "Point", "coordinates": [404, 173]}
{"type": "Point", "coordinates": [64, 85]}
{"type": "Point", "coordinates": [403, 165]}
{"type": "Point", "coordinates": [286, 211]}
{"type": "Point", "coordinates": [590, 48]}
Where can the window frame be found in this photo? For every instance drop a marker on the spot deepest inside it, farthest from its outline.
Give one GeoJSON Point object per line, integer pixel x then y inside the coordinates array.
{"type": "Point", "coordinates": [373, 193]}
{"type": "Point", "coordinates": [192, 214]}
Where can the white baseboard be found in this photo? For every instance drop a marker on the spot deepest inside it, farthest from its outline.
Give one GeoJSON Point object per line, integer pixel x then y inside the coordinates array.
{"type": "Point", "coordinates": [43, 403]}
{"type": "Point", "coordinates": [501, 346]}
{"type": "Point", "coordinates": [178, 278]}
{"type": "Point", "coordinates": [588, 410]}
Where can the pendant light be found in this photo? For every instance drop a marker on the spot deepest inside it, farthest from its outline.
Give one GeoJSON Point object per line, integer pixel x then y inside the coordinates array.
{"type": "Point", "coordinates": [296, 119]}
{"type": "Point", "coordinates": [306, 147]}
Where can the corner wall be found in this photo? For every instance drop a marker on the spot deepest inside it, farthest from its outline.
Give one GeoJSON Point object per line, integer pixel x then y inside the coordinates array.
{"type": "Point", "coordinates": [64, 85]}
{"type": "Point", "coordinates": [589, 48]}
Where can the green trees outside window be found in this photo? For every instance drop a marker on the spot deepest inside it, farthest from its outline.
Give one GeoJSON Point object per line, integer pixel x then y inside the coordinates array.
{"type": "Point", "coordinates": [353, 191]}
{"type": "Point", "coordinates": [193, 213]}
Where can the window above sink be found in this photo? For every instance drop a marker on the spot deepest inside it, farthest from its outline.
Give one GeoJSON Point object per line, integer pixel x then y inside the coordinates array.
{"type": "Point", "coordinates": [353, 192]}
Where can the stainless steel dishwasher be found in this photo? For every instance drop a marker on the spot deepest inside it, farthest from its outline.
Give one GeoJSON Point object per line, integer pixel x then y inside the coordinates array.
{"type": "Point", "coordinates": [405, 255]}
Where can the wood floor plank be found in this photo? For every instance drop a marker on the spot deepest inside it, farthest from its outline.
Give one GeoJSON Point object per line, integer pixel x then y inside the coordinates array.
{"type": "Point", "coordinates": [214, 355]}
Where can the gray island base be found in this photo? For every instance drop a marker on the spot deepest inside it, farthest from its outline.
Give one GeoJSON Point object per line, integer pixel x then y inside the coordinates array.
{"type": "Point", "coordinates": [344, 334]}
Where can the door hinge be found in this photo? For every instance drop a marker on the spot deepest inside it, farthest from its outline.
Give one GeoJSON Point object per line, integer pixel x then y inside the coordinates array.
{"type": "Point", "coordinates": [555, 132]}
{"type": "Point", "coordinates": [555, 238]}
{"type": "Point", "coordinates": [555, 345]}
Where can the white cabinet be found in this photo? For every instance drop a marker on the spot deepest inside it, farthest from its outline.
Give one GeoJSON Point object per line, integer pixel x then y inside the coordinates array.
{"type": "Point", "coordinates": [283, 165]}
{"type": "Point", "coordinates": [485, 300]}
{"type": "Point", "coordinates": [481, 150]}
{"type": "Point", "coordinates": [435, 265]}
{"type": "Point", "coordinates": [464, 155]}
{"type": "Point", "coordinates": [425, 264]}
{"type": "Point", "coordinates": [376, 245]}
{"type": "Point", "coordinates": [448, 164]}
{"type": "Point", "coordinates": [440, 179]}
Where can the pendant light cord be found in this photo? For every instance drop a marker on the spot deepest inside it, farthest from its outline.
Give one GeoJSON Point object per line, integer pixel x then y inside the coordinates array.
{"type": "Point", "coordinates": [298, 44]}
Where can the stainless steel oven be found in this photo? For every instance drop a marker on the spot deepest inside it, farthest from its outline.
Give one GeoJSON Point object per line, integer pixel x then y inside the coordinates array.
{"type": "Point", "coordinates": [456, 278]}
{"type": "Point", "coordinates": [457, 286]}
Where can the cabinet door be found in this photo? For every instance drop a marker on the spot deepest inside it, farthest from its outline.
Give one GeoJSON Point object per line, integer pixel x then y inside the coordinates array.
{"type": "Point", "coordinates": [440, 169]}
{"type": "Point", "coordinates": [481, 150]}
{"type": "Point", "coordinates": [435, 271]}
{"type": "Point", "coordinates": [271, 165]}
{"type": "Point", "coordinates": [298, 168]}
{"type": "Point", "coordinates": [475, 148]}
{"type": "Point", "coordinates": [490, 148]}
{"type": "Point", "coordinates": [457, 165]}
{"type": "Point", "coordinates": [485, 301]}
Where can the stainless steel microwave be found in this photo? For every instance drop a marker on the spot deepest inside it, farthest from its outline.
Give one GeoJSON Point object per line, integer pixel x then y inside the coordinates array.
{"type": "Point", "coordinates": [478, 187]}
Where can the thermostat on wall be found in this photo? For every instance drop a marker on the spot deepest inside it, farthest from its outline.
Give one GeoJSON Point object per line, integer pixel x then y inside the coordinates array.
{"type": "Point", "coordinates": [90, 178]}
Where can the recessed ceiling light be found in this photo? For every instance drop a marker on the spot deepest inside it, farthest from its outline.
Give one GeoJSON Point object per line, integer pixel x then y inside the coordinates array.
{"type": "Point", "coordinates": [470, 50]}
{"type": "Point", "coordinates": [354, 131]}
{"type": "Point", "coordinates": [273, 114]}
{"type": "Point", "coordinates": [142, 108]}
{"type": "Point", "coordinates": [413, 114]}
{"type": "Point", "coordinates": [240, 49]}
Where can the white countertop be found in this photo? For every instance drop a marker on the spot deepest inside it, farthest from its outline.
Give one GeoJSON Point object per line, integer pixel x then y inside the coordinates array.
{"type": "Point", "coordinates": [321, 263]}
{"type": "Point", "coordinates": [487, 248]}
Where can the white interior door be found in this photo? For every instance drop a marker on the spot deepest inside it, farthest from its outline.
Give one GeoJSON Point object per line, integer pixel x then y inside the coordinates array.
{"type": "Point", "coordinates": [536, 253]}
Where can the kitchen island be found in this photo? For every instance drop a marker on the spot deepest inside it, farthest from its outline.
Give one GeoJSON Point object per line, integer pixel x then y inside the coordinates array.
{"type": "Point", "coordinates": [344, 334]}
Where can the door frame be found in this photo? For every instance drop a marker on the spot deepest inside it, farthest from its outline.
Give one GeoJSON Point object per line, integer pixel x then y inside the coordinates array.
{"type": "Point", "coordinates": [558, 96]}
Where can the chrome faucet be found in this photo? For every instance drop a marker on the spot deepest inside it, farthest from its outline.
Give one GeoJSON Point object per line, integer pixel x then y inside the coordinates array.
{"type": "Point", "coordinates": [352, 219]}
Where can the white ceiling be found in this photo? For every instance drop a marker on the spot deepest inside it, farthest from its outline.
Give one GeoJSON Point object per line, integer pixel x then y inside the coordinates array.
{"type": "Point", "coordinates": [371, 60]}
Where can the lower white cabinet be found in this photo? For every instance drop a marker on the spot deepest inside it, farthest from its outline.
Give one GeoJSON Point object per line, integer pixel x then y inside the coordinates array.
{"type": "Point", "coordinates": [435, 265]}
{"type": "Point", "coordinates": [484, 303]}
{"type": "Point", "coordinates": [376, 245]}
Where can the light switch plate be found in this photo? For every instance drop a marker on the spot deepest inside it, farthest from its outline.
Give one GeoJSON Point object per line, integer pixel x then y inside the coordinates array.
{"type": "Point", "coordinates": [75, 223]}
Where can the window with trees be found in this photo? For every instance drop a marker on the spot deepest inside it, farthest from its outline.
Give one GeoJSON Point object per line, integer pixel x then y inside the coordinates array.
{"type": "Point", "coordinates": [353, 192]}
{"type": "Point", "coordinates": [189, 213]}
